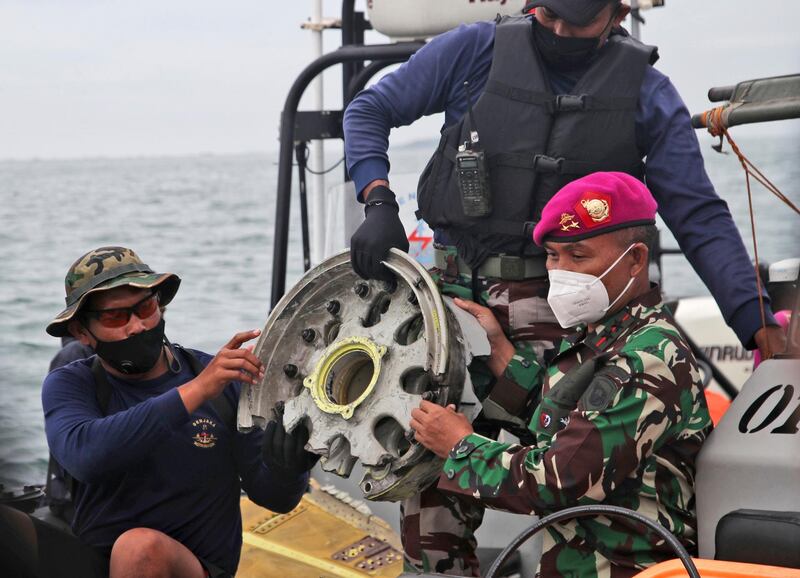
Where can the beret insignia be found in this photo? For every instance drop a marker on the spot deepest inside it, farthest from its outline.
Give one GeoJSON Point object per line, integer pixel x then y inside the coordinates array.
{"type": "Point", "coordinates": [568, 222]}
{"type": "Point", "coordinates": [597, 209]}
{"type": "Point", "coordinates": [593, 209]}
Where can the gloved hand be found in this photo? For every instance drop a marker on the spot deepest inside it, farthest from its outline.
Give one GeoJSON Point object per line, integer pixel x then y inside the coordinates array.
{"type": "Point", "coordinates": [284, 453]}
{"type": "Point", "coordinates": [380, 231]}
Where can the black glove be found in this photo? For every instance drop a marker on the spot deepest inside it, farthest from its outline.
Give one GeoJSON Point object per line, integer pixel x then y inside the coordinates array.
{"type": "Point", "coordinates": [380, 231]}
{"type": "Point", "coordinates": [284, 453]}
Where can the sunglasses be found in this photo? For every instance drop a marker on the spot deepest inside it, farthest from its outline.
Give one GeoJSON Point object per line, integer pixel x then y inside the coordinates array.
{"type": "Point", "coordinates": [119, 316]}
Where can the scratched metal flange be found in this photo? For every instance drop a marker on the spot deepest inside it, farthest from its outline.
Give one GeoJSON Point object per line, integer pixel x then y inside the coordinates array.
{"type": "Point", "coordinates": [351, 358]}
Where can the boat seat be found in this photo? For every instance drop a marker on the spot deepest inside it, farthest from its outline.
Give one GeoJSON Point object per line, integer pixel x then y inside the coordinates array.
{"type": "Point", "coordinates": [759, 537]}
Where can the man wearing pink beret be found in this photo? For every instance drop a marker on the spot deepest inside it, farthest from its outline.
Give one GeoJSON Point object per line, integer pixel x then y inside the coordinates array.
{"type": "Point", "coordinates": [555, 95]}
{"type": "Point", "coordinates": [622, 414]}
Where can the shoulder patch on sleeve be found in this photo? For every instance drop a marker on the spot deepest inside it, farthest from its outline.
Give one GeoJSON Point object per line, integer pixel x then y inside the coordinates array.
{"type": "Point", "coordinates": [603, 388]}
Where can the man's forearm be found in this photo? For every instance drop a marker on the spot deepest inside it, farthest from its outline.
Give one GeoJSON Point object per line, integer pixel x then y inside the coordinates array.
{"type": "Point", "coordinates": [502, 354]}
{"type": "Point", "coordinates": [195, 393]}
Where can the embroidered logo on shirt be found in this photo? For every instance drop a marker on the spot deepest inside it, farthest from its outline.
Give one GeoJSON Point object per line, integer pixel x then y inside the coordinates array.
{"type": "Point", "coordinates": [545, 420]}
{"type": "Point", "coordinates": [204, 438]}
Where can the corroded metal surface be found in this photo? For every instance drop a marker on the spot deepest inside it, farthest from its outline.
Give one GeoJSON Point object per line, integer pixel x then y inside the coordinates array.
{"type": "Point", "coordinates": [351, 358]}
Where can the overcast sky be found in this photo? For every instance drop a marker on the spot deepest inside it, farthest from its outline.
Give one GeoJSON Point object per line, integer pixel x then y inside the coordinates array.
{"type": "Point", "coordinates": [112, 78]}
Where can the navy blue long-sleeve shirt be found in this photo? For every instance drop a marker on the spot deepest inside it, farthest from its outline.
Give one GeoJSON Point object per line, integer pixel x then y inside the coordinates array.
{"type": "Point", "coordinates": [432, 82]}
{"type": "Point", "coordinates": [149, 463]}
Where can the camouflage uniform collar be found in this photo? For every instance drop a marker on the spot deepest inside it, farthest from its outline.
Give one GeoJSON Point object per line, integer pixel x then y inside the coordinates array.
{"type": "Point", "coordinates": [610, 330]}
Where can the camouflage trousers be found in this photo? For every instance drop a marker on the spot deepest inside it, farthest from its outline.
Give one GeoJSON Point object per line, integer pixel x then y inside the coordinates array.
{"type": "Point", "coordinates": [437, 528]}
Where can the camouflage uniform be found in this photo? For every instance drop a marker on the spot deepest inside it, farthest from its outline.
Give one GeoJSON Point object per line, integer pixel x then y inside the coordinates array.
{"type": "Point", "coordinates": [630, 440]}
{"type": "Point", "coordinates": [438, 528]}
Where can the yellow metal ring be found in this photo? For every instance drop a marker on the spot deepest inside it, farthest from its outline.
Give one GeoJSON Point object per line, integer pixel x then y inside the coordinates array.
{"type": "Point", "coordinates": [318, 380]}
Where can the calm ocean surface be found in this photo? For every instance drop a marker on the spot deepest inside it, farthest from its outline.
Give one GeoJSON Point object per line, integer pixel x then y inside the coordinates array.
{"type": "Point", "coordinates": [210, 219]}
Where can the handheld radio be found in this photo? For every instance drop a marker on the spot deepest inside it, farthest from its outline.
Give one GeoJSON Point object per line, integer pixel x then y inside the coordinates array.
{"type": "Point", "coordinates": [472, 172]}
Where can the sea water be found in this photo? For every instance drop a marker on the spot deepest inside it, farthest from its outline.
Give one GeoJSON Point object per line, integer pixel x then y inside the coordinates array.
{"type": "Point", "coordinates": [210, 219]}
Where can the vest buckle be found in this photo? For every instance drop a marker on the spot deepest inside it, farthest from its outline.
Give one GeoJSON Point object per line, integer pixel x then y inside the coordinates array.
{"type": "Point", "coordinates": [512, 268]}
{"type": "Point", "coordinates": [528, 227]}
{"type": "Point", "coordinates": [546, 164]}
{"type": "Point", "coordinates": [570, 102]}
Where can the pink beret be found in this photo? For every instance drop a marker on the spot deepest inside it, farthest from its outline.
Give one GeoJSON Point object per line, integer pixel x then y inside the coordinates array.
{"type": "Point", "coordinates": [595, 204]}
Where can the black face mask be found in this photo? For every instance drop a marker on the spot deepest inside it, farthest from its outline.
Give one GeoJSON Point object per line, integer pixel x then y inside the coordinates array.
{"type": "Point", "coordinates": [134, 355]}
{"type": "Point", "coordinates": [566, 53]}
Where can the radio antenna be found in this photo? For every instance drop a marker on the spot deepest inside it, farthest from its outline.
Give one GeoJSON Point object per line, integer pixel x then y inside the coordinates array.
{"type": "Point", "coordinates": [473, 134]}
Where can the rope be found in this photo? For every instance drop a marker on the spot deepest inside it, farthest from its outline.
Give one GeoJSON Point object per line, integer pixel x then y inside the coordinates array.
{"type": "Point", "coordinates": [714, 121]}
{"type": "Point", "coordinates": [325, 171]}
{"type": "Point", "coordinates": [759, 282]}
{"type": "Point", "coordinates": [751, 170]}
{"type": "Point", "coordinates": [312, 171]}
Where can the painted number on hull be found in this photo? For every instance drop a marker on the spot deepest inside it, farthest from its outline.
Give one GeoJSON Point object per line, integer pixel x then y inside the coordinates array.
{"type": "Point", "coordinates": [786, 397]}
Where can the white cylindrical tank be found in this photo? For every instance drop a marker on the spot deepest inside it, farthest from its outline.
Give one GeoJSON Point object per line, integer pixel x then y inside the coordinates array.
{"type": "Point", "coordinates": [416, 19]}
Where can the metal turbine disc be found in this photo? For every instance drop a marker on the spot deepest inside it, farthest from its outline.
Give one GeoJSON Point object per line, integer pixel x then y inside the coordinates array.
{"type": "Point", "coordinates": [350, 359]}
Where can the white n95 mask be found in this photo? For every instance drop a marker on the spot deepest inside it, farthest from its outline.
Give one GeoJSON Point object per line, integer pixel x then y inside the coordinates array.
{"type": "Point", "coordinates": [577, 298]}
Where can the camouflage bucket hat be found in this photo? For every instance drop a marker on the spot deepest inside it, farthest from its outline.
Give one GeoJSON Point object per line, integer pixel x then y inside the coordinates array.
{"type": "Point", "coordinates": [103, 269]}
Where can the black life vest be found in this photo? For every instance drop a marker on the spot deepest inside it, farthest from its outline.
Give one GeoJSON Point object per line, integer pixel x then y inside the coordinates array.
{"type": "Point", "coordinates": [535, 141]}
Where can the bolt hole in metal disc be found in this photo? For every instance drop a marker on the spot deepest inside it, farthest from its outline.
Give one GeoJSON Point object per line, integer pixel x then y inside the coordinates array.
{"type": "Point", "coordinates": [332, 331]}
{"type": "Point", "coordinates": [416, 380]}
{"type": "Point", "coordinates": [378, 307]}
{"type": "Point", "coordinates": [392, 436]}
{"type": "Point", "coordinates": [410, 330]}
{"type": "Point", "coordinates": [351, 358]}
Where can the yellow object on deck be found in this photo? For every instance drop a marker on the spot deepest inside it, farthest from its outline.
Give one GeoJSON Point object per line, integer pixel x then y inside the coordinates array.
{"type": "Point", "coordinates": [327, 535]}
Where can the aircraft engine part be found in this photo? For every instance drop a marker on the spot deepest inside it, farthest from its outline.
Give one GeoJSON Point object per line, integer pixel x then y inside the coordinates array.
{"type": "Point", "coordinates": [351, 358]}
